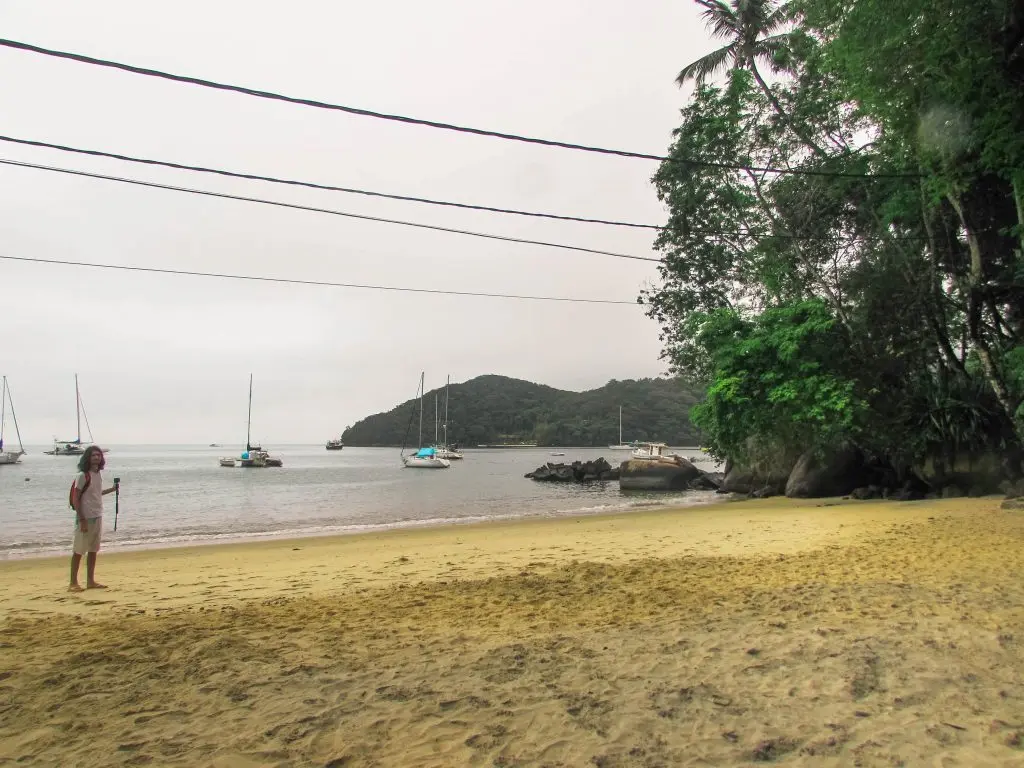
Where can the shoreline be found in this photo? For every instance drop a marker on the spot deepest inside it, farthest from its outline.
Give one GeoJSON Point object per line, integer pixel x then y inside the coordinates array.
{"type": "Point", "coordinates": [700, 499]}
{"type": "Point", "coordinates": [478, 550]}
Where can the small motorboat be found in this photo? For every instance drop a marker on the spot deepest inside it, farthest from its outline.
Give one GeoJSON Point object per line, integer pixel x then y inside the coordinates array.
{"type": "Point", "coordinates": [228, 461]}
{"type": "Point", "coordinates": [335, 445]}
{"type": "Point", "coordinates": [556, 453]}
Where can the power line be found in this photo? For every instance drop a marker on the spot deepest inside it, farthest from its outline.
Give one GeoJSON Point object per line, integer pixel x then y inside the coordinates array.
{"type": "Point", "coordinates": [694, 234]}
{"type": "Point", "coordinates": [314, 103]}
{"type": "Point", "coordinates": [81, 58]}
{"type": "Point", "coordinates": [330, 211]}
{"type": "Point", "coordinates": [322, 283]}
{"type": "Point", "coordinates": [314, 185]}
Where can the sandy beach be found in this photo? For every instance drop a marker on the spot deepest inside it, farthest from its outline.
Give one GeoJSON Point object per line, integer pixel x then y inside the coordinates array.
{"type": "Point", "coordinates": [802, 633]}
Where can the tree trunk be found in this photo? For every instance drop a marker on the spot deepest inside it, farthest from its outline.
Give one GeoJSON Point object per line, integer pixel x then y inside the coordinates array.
{"type": "Point", "coordinates": [975, 307]}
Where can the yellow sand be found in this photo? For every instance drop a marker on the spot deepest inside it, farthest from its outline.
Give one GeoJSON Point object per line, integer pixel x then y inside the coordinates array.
{"type": "Point", "coordinates": [806, 634]}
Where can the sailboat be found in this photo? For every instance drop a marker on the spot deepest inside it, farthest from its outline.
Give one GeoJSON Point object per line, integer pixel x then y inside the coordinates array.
{"type": "Point", "coordinates": [445, 451]}
{"type": "Point", "coordinates": [254, 455]}
{"type": "Point", "coordinates": [424, 458]}
{"type": "Point", "coordinates": [74, 447]}
{"type": "Point", "coordinates": [621, 446]}
{"type": "Point", "coordinates": [9, 457]}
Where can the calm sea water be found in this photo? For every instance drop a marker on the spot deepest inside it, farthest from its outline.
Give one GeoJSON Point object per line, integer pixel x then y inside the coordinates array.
{"type": "Point", "coordinates": [178, 495]}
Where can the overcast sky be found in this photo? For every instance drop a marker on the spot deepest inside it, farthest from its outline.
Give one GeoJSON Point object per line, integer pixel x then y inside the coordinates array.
{"type": "Point", "coordinates": [167, 358]}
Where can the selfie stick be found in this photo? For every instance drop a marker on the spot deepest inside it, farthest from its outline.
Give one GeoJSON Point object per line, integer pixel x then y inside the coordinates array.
{"type": "Point", "coordinates": [117, 499]}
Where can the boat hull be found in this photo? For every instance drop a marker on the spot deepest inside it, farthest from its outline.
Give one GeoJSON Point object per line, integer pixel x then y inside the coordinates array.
{"type": "Point", "coordinates": [416, 462]}
{"type": "Point", "coordinates": [11, 457]}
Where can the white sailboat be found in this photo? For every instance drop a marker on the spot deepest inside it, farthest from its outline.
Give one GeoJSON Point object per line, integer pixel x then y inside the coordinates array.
{"type": "Point", "coordinates": [9, 457]}
{"type": "Point", "coordinates": [445, 451]}
{"type": "Point", "coordinates": [621, 446]}
{"type": "Point", "coordinates": [74, 447]}
{"type": "Point", "coordinates": [424, 458]}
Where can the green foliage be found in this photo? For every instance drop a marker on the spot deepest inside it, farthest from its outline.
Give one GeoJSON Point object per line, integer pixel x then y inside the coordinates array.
{"type": "Point", "coordinates": [497, 409]}
{"type": "Point", "coordinates": [777, 381]}
{"type": "Point", "coordinates": [877, 296]}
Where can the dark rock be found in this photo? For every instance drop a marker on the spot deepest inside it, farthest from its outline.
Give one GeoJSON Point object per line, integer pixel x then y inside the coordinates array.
{"type": "Point", "coordinates": [866, 492]}
{"type": "Point", "coordinates": [952, 492]}
{"type": "Point", "coordinates": [910, 491]}
{"type": "Point", "coordinates": [577, 472]}
{"type": "Point", "coordinates": [984, 470]}
{"type": "Point", "coordinates": [564, 474]}
{"type": "Point", "coordinates": [704, 482]}
{"type": "Point", "coordinates": [764, 493]}
{"type": "Point", "coordinates": [645, 475]}
{"type": "Point", "coordinates": [832, 473]}
{"type": "Point", "coordinates": [1012, 488]}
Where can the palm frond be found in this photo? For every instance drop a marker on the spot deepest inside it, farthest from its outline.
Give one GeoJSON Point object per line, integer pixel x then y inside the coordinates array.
{"type": "Point", "coordinates": [778, 18]}
{"type": "Point", "coordinates": [720, 18]}
{"type": "Point", "coordinates": [772, 50]}
{"type": "Point", "coordinates": [706, 66]}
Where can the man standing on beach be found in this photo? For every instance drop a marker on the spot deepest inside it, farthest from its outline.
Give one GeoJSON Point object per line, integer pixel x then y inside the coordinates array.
{"type": "Point", "coordinates": [87, 500]}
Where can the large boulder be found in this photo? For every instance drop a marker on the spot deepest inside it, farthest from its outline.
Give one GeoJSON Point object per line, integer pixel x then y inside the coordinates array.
{"type": "Point", "coordinates": [745, 479]}
{"type": "Point", "coordinates": [764, 469]}
{"type": "Point", "coordinates": [834, 472]}
{"type": "Point", "coordinates": [643, 475]}
{"type": "Point", "coordinates": [976, 473]}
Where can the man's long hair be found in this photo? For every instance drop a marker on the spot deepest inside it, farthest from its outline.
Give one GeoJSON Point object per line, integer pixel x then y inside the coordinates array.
{"type": "Point", "coordinates": [85, 463]}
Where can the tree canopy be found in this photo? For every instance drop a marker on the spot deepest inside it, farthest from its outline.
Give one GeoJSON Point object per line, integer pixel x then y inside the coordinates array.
{"type": "Point", "coordinates": [843, 254]}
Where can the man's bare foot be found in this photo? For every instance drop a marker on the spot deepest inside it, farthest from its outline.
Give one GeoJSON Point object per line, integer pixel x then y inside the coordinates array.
{"type": "Point", "coordinates": [75, 588]}
{"type": "Point", "coordinates": [95, 585]}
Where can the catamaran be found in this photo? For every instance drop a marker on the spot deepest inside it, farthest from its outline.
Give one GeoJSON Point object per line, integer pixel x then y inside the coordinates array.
{"type": "Point", "coordinates": [424, 458]}
{"type": "Point", "coordinates": [9, 457]}
{"type": "Point", "coordinates": [254, 455]}
{"type": "Point", "coordinates": [621, 446]}
{"type": "Point", "coordinates": [74, 447]}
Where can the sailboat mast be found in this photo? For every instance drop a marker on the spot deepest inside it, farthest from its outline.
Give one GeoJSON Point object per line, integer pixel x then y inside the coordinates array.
{"type": "Point", "coordinates": [14, 417]}
{"type": "Point", "coordinates": [435, 418]}
{"type": "Point", "coordinates": [620, 425]}
{"type": "Point", "coordinates": [248, 420]}
{"type": "Point", "coordinates": [421, 409]}
{"type": "Point", "coordinates": [3, 412]}
{"type": "Point", "coordinates": [78, 411]}
{"type": "Point", "coordinates": [447, 385]}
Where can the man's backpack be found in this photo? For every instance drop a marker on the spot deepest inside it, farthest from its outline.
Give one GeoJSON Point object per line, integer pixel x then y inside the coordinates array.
{"type": "Point", "coordinates": [85, 487]}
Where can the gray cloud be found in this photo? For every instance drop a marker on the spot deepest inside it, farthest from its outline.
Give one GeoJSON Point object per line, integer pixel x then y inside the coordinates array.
{"type": "Point", "coordinates": [166, 359]}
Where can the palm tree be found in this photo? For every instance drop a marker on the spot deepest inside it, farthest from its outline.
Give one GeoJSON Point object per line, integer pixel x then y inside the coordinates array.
{"type": "Point", "coordinates": [752, 28]}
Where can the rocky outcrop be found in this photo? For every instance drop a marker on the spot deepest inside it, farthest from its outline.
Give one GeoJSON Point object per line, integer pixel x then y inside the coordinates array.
{"type": "Point", "coordinates": [834, 472]}
{"type": "Point", "coordinates": [760, 481]}
{"type": "Point", "coordinates": [763, 472]}
{"type": "Point", "coordinates": [677, 474]}
{"type": "Point", "coordinates": [577, 472]}
{"type": "Point", "coordinates": [976, 474]}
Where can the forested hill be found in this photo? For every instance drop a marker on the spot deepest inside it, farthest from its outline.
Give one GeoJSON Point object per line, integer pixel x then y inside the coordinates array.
{"type": "Point", "coordinates": [497, 409]}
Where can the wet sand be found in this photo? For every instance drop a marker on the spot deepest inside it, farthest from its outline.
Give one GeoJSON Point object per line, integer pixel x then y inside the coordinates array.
{"type": "Point", "coordinates": [801, 633]}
